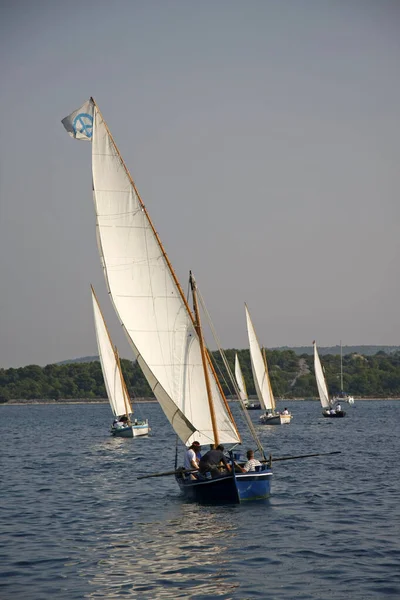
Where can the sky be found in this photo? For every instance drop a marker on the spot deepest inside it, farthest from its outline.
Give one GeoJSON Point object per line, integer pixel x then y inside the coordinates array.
{"type": "Point", "coordinates": [263, 137]}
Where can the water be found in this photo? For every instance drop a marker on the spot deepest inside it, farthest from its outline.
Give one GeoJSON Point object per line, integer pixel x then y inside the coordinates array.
{"type": "Point", "coordinates": [76, 523]}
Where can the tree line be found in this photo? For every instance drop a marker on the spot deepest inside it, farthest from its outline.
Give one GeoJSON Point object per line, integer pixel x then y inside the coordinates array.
{"type": "Point", "coordinates": [292, 376]}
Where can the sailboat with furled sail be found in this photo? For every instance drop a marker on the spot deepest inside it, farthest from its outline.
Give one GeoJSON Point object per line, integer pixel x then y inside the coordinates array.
{"type": "Point", "coordinates": [124, 424]}
{"type": "Point", "coordinates": [242, 387]}
{"type": "Point", "coordinates": [261, 380]}
{"type": "Point", "coordinates": [329, 409]}
{"type": "Point", "coordinates": [342, 396]}
{"type": "Point", "coordinates": [164, 333]}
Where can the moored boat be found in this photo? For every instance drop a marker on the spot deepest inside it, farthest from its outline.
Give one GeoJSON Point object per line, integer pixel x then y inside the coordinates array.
{"type": "Point", "coordinates": [342, 396]}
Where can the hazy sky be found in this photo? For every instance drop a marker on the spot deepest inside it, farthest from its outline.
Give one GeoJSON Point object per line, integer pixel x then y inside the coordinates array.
{"type": "Point", "coordinates": [263, 137]}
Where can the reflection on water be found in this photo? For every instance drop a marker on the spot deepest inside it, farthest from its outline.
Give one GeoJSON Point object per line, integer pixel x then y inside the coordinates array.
{"type": "Point", "coordinates": [184, 556]}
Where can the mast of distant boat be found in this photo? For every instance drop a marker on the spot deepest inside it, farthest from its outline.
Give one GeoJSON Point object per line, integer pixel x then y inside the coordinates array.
{"type": "Point", "coordinates": [341, 367]}
{"type": "Point", "coordinates": [128, 406]}
{"type": "Point", "coordinates": [127, 403]}
{"type": "Point", "coordinates": [273, 405]}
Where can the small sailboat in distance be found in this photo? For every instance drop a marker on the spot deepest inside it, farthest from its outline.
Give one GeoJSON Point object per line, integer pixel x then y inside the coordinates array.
{"type": "Point", "coordinates": [342, 396]}
{"type": "Point", "coordinates": [328, 405]}
{"type": "Point", "coordinates": [124, 425]}
{"type": "Point", "coordinates": [261, 380]}
{"type": "Point", "coordinates": [242, 387]}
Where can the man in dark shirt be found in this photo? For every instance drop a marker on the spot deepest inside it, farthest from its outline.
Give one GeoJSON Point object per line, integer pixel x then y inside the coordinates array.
{"type": "Point", "coordinates": [211, 461]}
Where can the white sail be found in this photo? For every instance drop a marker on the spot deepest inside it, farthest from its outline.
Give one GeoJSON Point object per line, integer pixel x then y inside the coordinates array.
{"type": "Point", "coordinates": [259, 368]}
{"type": "Point", "coordinates": [113, 379]}
{"type": "Point", "coordinates": [321, 383]}
{"type": "Point", "coordinates": [240, 381]}
{"type": "Point", "coordinates": [148, 301]}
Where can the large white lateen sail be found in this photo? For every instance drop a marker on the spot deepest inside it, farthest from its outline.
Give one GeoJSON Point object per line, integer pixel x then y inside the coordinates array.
{"type": "Point", "coordinates": [240, 381]}
{"type": "Point", "coordinates": [113, 379]}
{"type": "Point", "coordinates": [149, 301]}
{"type": "Point", "coordinates": [259, 368]}
{"type": "Point", "coordinates": [321, 383]}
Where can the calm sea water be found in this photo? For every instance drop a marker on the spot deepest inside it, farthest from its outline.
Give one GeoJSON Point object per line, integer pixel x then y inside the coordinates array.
{"type": "Point", "coordinates": [76, 523]}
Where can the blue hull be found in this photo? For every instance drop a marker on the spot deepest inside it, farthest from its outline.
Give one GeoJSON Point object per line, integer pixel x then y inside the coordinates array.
{"type": "Point", "coordinates": [228, 489]}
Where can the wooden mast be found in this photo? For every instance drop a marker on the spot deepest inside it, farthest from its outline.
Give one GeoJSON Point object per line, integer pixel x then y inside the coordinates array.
{"type": "Point", "coordinates": [204, 360]}
{"type": "Point", "coordinates": [123, 383]}
{"type": "Point", "coordinates": [156, 236]}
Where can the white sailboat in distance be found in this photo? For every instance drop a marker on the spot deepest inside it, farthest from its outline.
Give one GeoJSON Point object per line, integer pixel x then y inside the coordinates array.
{"type": "Point", "coordinates": [242, 387]}
{"type": "Point", "coordinates": [328, 405]}
{"type": "Point", "coordinates": [261, 380]}
{"type": "Point", "coordinates": [124, 424]}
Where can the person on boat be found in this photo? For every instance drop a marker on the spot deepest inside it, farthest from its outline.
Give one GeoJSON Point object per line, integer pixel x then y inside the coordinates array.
{"type": "Point", "coordinates": [285, 411]}
{"type": "Point", "coordinates": [251, 464]}
{"type": "Point", "coordinates": [211, 461]}
{"type": "Point", "coordinates": [192, 456]}
{"type": "Point", "coordinates": [122, 422]}
{"type": "Point", "coordinates": [338, 408]}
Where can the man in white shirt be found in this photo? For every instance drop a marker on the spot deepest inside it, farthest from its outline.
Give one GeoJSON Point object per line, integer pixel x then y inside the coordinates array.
{"type": "Point", "coordinates": [191, 456]}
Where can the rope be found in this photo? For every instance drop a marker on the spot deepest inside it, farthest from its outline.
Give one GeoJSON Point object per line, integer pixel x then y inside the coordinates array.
{"type": "Point", "coordinates": [247, 417]}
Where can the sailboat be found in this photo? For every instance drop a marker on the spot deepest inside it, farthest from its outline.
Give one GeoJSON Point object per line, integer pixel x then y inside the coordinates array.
{"type": "Point", "coordinates": [242, 387]}
{"type": "Point", "coordinates": [342, 396]}
{"type": "Point", "coordinates": [165, 335]}
{"type": "Point", "coordinates": [124, 425]}
{"type": "Point", "coordinates": [328, 405]}
{"type": "Point", "coordinates": [262, 382]}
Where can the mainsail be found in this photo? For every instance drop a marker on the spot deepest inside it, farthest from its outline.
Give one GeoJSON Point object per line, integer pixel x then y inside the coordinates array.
{"type": "Point", "coordinates": [149, 301]}
{"type": "Point", "coordinates": [321, 383]}
{"type": "Point", "coordinates": [259, 368]}
{"type": "Point", "coordinates": [240, 381]}
{"type": "Point", "coordinates": [113, 378]}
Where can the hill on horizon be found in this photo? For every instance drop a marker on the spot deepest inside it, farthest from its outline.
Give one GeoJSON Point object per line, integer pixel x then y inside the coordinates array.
{"type": "Point", "coordinates": [299, 350]}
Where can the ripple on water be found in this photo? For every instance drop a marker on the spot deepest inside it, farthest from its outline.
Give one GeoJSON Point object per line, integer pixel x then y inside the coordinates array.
{"type": "Point", "coordinates": [77, 523]}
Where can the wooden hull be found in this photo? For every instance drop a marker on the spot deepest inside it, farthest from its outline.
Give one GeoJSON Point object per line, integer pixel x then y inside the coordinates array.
{"type": "Point", "coordinates": [131, 431]}
{"type": "Point", "coordinates": [228, 489]}
{"type": "Point", "coordinates": [275, 420]}
{"type": "Point", "coordinates": [336, 415]}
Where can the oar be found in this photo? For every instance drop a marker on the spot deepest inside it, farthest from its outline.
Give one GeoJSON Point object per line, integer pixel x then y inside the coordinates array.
{"type": "Point", "coordinates": [303, 456]}
{"type": "Point", "coordinates": [167, 473]}
{"type": "Point", "coordinates": [273, 460]}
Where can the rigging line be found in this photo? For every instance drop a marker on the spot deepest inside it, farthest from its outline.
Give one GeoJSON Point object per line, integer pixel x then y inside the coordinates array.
{"type": "Point", "coordinates": [221, 373]}
{"type": "Point", "coordinates": [233, 381]}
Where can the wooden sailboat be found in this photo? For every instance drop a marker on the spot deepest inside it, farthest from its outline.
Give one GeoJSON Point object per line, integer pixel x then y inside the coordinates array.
{"type": "Point", "coordinates": [163, 332]}
{"type": "Point", "coordinates": [328, 405]}
{"type": "Point", "coordinates": [125, 425]}
{"type": "Point", "coordinates": [342, 396]}
{"type": "Point", "coordinates": [242, 387]}
{"type": "Point", "coordinates": [261, 380]}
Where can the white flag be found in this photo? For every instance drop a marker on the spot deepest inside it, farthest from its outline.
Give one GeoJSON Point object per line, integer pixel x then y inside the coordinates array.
{"type": "Point", "coordinates": [79, 124]}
